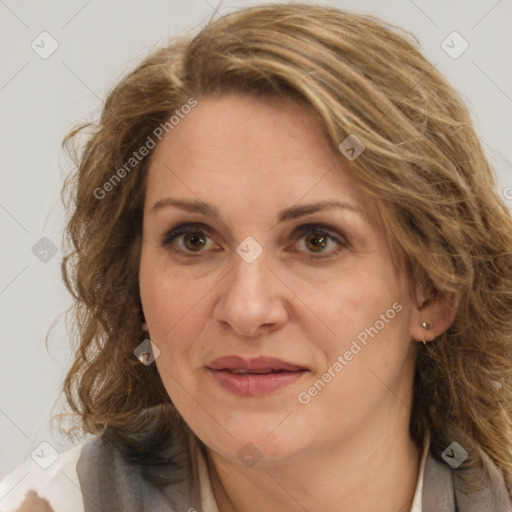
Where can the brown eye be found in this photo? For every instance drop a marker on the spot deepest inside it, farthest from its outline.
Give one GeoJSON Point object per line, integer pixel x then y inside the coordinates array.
{"type": "Point", "coordinates": [194, 241]}
{"type": "Point", "coordinates": [189, 239]}
{"type": "Point", "coordinates": [316, 243]}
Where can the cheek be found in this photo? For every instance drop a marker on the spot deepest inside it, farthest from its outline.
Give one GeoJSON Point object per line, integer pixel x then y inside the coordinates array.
{"type": "Point", "coordinates": [175, 309]}
{"type": "Point", "coordinates": [352, 301]}
{"type": "Point", "coordinates": [370, 351]}
{"type": "Point", "coordinates": [165, 293]}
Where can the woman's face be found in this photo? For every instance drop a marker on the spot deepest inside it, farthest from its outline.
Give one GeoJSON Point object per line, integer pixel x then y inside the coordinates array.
{"type": "Point", "coordinates": [260, 254]}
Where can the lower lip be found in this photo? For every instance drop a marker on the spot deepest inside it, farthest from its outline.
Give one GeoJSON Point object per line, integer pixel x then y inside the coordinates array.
{"type": "Point", "coordinates": [251, 384]}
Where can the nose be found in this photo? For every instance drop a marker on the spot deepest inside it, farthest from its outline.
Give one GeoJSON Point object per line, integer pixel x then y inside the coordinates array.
{"type": "Point", "coordinates": [252, 299]}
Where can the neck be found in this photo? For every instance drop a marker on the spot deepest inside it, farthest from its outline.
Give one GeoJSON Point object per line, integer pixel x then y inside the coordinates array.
{"type": "Point", "coordinates": [366, 473]}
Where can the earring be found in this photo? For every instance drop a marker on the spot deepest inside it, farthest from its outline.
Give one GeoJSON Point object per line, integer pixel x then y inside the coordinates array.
{"type": "Point", "coordinates": [425, 325]}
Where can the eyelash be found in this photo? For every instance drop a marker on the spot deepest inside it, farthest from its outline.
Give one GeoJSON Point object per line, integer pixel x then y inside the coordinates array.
{"type": "Point", "coordinates": [298, 233]}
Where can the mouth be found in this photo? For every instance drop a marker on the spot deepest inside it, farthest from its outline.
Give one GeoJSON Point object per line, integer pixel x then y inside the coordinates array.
{"type": "Point", "coordinates": [238, 364]}
{"type": "Point", "coordinates": [255, 377]}
{"type": "Point", "coordinates": [242, 371]}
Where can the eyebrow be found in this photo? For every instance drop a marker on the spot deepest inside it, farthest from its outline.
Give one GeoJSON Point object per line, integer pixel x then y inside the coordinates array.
{"type": "Point", "coordinates": [294, 212]}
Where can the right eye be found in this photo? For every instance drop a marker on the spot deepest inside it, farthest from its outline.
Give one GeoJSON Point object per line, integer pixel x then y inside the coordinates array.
{"type": "Point", "coordinates": [189, 239]}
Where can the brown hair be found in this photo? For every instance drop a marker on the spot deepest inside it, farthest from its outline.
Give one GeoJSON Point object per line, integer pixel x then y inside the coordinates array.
{"type": "Point", "coordinates": [423, 164]}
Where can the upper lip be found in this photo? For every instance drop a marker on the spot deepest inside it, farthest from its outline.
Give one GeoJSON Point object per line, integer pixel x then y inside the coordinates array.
{"type": "Point", "coordinates": [259, 363]}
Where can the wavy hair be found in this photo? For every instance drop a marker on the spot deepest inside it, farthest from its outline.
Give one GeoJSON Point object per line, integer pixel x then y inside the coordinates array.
{"type": "Point", "coordinates": [423, 165]}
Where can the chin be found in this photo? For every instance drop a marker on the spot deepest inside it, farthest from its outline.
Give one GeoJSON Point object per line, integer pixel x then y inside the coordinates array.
{"type": "Point", "coordinates": [261, 445]}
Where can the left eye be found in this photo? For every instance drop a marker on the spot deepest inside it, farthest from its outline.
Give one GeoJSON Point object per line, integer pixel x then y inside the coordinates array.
{"type": "Point", "coordinates": [318, 240]}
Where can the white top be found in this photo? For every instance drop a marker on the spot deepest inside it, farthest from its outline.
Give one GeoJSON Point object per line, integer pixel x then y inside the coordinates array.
{"type": "Point", "coordinates": [209, 504]}
{"type": "Point", "coordinates": [48, 482]}
{"type": "Point", "coordinates": [418, 493]}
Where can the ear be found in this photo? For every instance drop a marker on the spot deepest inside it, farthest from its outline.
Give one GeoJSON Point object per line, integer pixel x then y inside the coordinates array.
{"type": "Point", "coordinates": [434, 316]}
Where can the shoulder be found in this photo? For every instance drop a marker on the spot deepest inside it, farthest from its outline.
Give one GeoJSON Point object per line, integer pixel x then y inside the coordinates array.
{"type": "Point", "coordinates": [46, 482]}
{"type": "Point", "coordinates": [449, 488]}
{"type": "Point", "coordinates": [96, 476]}
{"type": "Point", "coordinates": [111, 481]}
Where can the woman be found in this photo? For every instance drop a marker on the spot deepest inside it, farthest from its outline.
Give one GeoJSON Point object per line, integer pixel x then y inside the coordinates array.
{"type": "Point", "coordinates": [292, 280]}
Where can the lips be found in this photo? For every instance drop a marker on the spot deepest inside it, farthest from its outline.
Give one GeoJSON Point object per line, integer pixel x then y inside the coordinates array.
{"type": "Point", "coordinates": [254, 377]}
{"type": "Point", "coordinates": [259, 365]}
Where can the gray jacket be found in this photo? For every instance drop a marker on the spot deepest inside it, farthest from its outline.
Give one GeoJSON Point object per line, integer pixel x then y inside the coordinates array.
{"type": "Point", "coordinates": [110, 483]}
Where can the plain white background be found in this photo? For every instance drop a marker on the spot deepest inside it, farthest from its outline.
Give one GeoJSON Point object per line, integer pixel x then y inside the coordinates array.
{"type": "Point", "coordinates": [98, 41]}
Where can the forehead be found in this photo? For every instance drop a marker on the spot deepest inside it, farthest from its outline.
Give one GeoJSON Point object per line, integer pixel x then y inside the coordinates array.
{"type": "Point", "coordinates": [250, 149]}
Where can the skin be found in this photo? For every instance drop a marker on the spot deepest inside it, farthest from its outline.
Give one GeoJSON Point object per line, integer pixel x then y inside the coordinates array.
{"type": "Point", "coordinates": [348, 448]}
